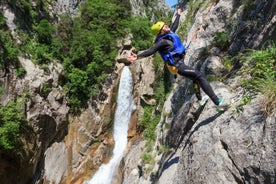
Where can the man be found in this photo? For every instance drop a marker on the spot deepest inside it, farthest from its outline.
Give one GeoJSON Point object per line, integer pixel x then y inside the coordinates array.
{"type": "Point", "coordinates": [172, 50]}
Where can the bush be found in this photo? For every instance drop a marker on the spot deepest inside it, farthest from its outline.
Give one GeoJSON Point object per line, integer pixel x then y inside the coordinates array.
{"type": "Point", "coordinates": [142, 36]}
{"type": "Point", "coordinates": [10, 122]}
{"type": "Point", "coordinates": [222, 40]}
{"type": "Point", "coordinates": [77, 88]}
{"type": "Point", "coordinates": [149, 122]}
{"type": "Point", "coordinates": [8, 49]}
{"type": "Point", "coordinates": [91, 46]}
{"type": "Point", "coordinates": [21, 72]}
{"type": "Point", "coordinates": [42, 53]}
{"type": "Point", "coordinates": [2, 20]}
{"type": "Point", "coordinates": [147, 159]}
{"type": "Point", "coordinates": [44, 31]}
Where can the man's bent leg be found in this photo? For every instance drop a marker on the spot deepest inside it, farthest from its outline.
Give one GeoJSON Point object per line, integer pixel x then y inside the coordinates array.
{"type": "Point", "coordinates": [197, 76]}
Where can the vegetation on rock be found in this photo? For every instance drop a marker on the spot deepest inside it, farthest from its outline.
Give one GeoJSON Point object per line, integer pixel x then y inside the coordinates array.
{"type": "Point", "coordinates": [11, 119]}
{"type": "Point", "coordinates": [260, 66]}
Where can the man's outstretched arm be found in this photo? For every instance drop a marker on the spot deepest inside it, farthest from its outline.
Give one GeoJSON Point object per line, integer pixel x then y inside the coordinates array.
{"type": "Point", "coordinates": [175, 24]}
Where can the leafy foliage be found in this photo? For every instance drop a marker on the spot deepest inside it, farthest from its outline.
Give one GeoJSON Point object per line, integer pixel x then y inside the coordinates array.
{"type": "Point", "coordinates": [85, 44]}
{"type": "Point", "coordinates": [147, 159]}
{"type": "Point", "coordinates": [247, 3]}
{"type": "Point", "coordinates": [21, 72]}
{"type": "Point", "coordinates": [8, 49]}
{"type": "Point", "coordinates": [142, 34]}
{"type": "Point", "coordinates": [149, 122]}
{"type": "Point", "coordinates": [89, 47]}
{"type": "Point", "coordinates": [10, 122]}
{"type": "Point", "coordinates": [267, 86]}
{"type": "Point", "coordinates": [222, 40]}
{"type": "Point", "coordinates": [44, 31]}
{"type": "Point", "coordinates": [77, 87]}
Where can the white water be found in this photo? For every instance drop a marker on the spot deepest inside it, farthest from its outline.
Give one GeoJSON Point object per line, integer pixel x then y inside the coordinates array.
{"type": "Point", "coordinates": [125, 106]}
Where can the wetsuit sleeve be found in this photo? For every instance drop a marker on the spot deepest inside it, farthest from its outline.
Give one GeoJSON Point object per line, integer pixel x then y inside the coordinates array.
{"type": "Point", "coordinates": [163, 44]}
{"type": "Point", "coordinates": [175, 24]}
{"type": "Point", "coordinates": [148, 52]}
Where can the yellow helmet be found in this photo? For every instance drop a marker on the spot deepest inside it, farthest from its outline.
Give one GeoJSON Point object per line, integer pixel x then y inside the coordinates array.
{"type": "Point", "coordinates": [156, 28]}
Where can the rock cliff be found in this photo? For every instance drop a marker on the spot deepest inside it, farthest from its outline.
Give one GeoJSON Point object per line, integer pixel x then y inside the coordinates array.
{"type": "Point", "coordinates": [204, 146]}
{"type": "Point", "coordinates": [61, 147]}
{"type": "Point", "coordinates": [194, 144]}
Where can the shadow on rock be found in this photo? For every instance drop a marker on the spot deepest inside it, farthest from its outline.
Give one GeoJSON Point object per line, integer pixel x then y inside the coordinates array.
{"type": "Point", "coordinates": [203, 123]}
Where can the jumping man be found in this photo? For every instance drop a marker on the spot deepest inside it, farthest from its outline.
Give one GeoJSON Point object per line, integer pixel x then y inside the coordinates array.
{"type": "Point", "coordinates": [172, 51]}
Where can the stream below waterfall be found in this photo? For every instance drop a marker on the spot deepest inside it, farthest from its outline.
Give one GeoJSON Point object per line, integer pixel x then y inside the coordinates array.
{"type": "Point", "coordinates": [124, 108]}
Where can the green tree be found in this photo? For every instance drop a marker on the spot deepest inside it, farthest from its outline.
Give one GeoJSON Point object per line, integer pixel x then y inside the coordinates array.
{"type": "Point", "coordinates": [10, 121]}
{"type": "Point", "coordinates": [77, 88]}
{"type": "Point", "coordinates": [91, 44]}
{"type": "Point", "coordinates": [8, 49]}
{"type": "Point", "coordinates": [44, 31]}
{"type": "Point", "coordinates": [142, 36]}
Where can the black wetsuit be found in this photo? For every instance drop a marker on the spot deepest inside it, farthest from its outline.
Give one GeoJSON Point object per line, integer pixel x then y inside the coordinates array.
{"type": "Point", "coordinates": [184, 70]}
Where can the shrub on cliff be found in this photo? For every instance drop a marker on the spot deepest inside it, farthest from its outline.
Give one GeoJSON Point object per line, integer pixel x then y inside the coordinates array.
{"type": "Point", "coordinates": [10, 122]}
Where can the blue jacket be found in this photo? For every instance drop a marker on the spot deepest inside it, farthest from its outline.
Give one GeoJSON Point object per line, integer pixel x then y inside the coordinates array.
{"type": "Point", "coordinates": [178, 48]}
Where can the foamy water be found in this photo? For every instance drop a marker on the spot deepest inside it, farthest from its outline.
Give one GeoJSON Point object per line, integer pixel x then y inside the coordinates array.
{"type": "Point", "coordinates": [125, 106]}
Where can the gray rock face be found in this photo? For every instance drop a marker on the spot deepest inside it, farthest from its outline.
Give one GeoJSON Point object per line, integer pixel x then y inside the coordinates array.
{"type": "Point", "coordinates": [47, 114]}
{"type": "Point", "coordinates": [222, 148]}
{"type": "Point", "coordinates": [66, 6]}
{"type": "Point", "coordinates": [237, 146]}
{"type": "Point", "coordinates": [56, 162]}
{"type": "Point", "coordinates": [211, 147]}
{"type": "Point", "coordinates": [138, 7]}
{"type": "Point", "coordinates": [213, 66]}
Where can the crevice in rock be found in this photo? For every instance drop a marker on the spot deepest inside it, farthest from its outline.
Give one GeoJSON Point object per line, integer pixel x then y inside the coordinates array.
{"type": "Point", "coordinates": [203, 123]}
{"type": "Point", "coordinates": [247, 175]}
{"type": "Point", "coordinates": [224, 145]}
{"type": "Point", "coordinates": [190, 123]}
{"type": "Point", "coordinates": [239, 180]}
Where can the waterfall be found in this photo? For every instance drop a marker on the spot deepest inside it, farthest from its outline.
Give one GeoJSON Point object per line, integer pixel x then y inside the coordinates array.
{"type": "Point", "coordinates": [124, 108]}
